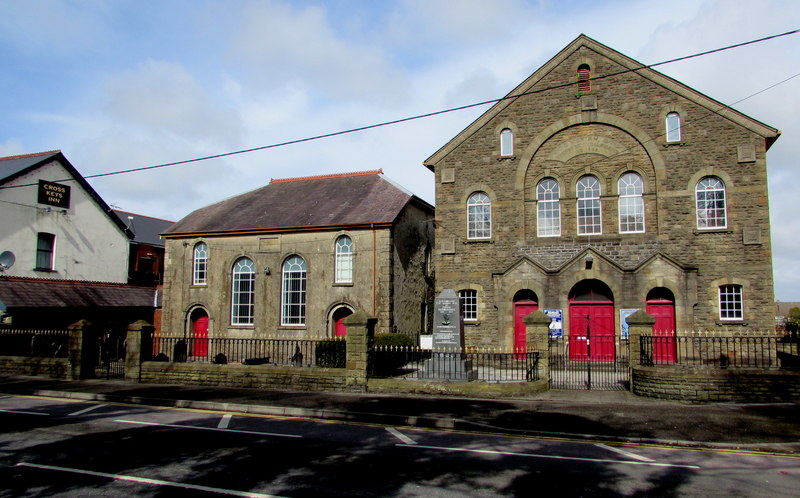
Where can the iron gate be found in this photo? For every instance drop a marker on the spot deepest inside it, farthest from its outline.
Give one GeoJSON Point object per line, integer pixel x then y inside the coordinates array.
{"type": "Point", "coordinates": [108, 354]}
{"type": "Point", "coordinates": [598, 362]}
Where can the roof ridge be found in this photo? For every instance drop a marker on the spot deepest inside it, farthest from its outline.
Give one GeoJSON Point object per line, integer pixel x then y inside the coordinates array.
{"type": "Point", "coordinates": [34, 154]}
{"type": "Point", "coordinates": [323, 177]}
{"type": "Point", "coordinates": [141, 215]}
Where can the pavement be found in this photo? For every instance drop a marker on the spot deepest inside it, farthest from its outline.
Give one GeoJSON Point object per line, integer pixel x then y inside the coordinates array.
{"type": "Point", "coordinates": [604, 416]}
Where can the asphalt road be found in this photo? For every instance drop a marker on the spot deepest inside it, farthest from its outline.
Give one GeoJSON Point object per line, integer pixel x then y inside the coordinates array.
{"type": "Point", "coordinates": [53, 447]}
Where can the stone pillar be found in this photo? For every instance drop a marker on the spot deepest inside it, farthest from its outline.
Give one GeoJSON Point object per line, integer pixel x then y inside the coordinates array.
{"type": "Point", "coordinates": [537, 336]}
{"type": "Point", "coordinates": [80, 350]}
{"type": "Point", "coordinates": [138, 336]}
{"type": "Point", "coordinates": [360, 334]}
{"type": "Point", "coordinates": [639, 324]}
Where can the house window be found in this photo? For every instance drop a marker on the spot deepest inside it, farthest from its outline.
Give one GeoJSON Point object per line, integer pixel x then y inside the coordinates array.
{"type": "Point", "coordinates": [584, 81]}
{"type": "Point", "coordinates": [45, 250]}
{"type": "Point", "coordinates": [731, 304]}
{"type": "Point", "coordinates": [548, 208]}
{"type": "Point", "coordinates": [506, 143]}
{"type": "Point", "coordinates": [200, 264]}
{"type": "Point", "coordinates": [710, 196]}
{"type": "Point", "coordinates": [673, 127]}
{"type": "Point", "coordinates": [469, 304]}
{"type": "Point", "coordinates": [479, 216]}
{"type": "Point", "coordinates": [344, 260]}
{"type": "Point", "coordinates": [243, 292]}
{"type": "Point", "coordinates": [293, 292]}
{"type": "Point", "coordinates": [589, 209]}
{"type": "Point", "coordinates": [631, 203]}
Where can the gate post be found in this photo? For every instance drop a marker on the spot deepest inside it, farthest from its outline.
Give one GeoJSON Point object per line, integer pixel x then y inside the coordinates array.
{"type": "Point", "coordinates": [639, 324]}
{"type": "Point", "coordinates": [137, 336]}
{"type": "Point", "coordinates": [79, 353]}
{"type": "Point", "coordinates": [537, 334]}
{"type": "Point", "coordinates": [360, 333]}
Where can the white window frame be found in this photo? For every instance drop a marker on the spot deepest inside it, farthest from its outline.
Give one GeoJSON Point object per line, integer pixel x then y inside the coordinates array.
{"type": "Point", "coordinates": [506, 142]}
{"type": "Point", "coordinates": [673, 127]}
{"type": "Point", "coordinates": [200, 264]}
{"type": "Point", "coordinates": [731, 303]}
{"type": "Point", "coordinates": [49, 239]}
{"type": "Point", "coordinates": [243, 283]}
{"type": "Point", "coordinates": [631, 203]}
{"type": "Point", "coordinates": [479, 216]}
{"type": "Point", "coordinates": [293, 291]}
{"type": "Point", "coordinates": [468, 299]}
{"type": "Point", "coordinates": [344, 260]}
{"type": "Point", "coordinates": [588, 193]}
{"type": "Point", "coordinates": [548, 208]}
{"type": "Point", "coordinates": [711, 189]}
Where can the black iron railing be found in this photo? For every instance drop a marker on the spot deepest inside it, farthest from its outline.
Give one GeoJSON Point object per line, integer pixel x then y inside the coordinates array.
{"type": "Point", "coordinates": [753, 351]}
{"type": "Point", "coordinates": [411, 363]}
{"type": "Point", "coordinates": [320, 352]}
{"type": "Point", "coordinates": [34, 343]}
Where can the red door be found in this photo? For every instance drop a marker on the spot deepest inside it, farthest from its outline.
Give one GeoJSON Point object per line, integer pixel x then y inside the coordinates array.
{"type": "Point", "coordinates": [521, 310]}
{"type": "Point", "coordinates": [339, 328]}
{"type": "Point", "coordinates": [591, 331]}
{"type": "Point", "coordinates": [200, 343]}
{"type": "Point", "coordinates": [664, 346]}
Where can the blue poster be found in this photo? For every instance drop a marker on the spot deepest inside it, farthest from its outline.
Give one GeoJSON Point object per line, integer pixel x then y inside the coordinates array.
{"type": "Point", "coordinates": [557, 325]}
{"type": "Point", "coordinates": [623, 324]}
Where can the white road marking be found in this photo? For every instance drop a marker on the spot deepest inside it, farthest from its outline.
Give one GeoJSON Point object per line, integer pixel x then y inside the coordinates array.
{"type": "Point", "coordinates": [224, 421]}
{"type": "Point", "coordinates": [146, 480]}
{"type": "Point", "coordinates": [20, 412]}
{"type": "Point", "coordinates": [551, 457]}
{"type": "Point", "coordinates": [176, 426]}
{"type": "Point", "coordinates": [625, 453]}
{"type": "Point", "coordinates": [86, 410]}
{"type": "Point", "coordinates": [399, 435]}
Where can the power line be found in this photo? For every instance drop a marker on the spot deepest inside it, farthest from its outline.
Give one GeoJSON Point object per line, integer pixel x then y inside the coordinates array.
{"type": "Point", "coordinates": [429, 114]}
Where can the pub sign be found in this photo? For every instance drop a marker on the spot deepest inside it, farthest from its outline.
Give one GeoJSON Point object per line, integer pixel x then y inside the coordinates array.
{"type": "Point", "coordinates": [54, 194]}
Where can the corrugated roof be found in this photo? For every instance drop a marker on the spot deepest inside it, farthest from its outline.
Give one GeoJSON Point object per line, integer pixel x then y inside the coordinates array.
{"type": "Point", "coordinates": [18, 292]}
{"type": "Point", "coordinates": [145, 229]}
{"type": "Point", "coordinates": [331, 200]}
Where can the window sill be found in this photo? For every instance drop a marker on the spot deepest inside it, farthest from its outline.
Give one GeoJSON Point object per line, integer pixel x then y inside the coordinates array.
{"type": "Point", "coordinates": [740, 323]}
{"type": "Point", "coordinates": [473, 323]}
{"type": "Point", "coordinates": [45, 270]}
{"type": "Point", "coordinates": [506, 158]}
{"type": "Point", "coordinates": [342, 284]}
{"type": "Point", "coordinates": [479, 241]}
{"type": "Point", "coordinates": [679, 143]}
{"type": "Point", "coordinates": [292, 327]}
{"type": "Point", "coordinates": [698, 231]}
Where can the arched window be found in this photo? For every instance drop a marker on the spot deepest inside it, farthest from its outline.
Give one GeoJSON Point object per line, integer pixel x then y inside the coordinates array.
{"type": "Point", "coordinates": [344, 260]}
{"type": "Point", "coordinates": [243, 292]}
{"type": "Point", "coordinates": [589, 208]}
{"type": "Point", "coordinates": [710, 197]}
{"type": "Point", "coordinates": [631, 203]}
{"type": "Point", "coordinates": [584, 78]}
{"type": "Point", "coordinates": [506, 142]}
{"type": "Point", "coordinates": [673, 127]}
{"type": "Point", "coordinates": [548, 208]}
{"type": "Point", "coordinates": [293, 291]}
{"type": "Point", "coordinates": [731, 302]}
{"type": "Point", "coordinates": [479, 216]}
{"type": "Point", "coordinates": [200, 264]}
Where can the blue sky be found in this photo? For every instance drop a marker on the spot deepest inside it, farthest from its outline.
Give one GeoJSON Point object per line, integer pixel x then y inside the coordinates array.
{"type": "Point", "coordinates": [122, 84]}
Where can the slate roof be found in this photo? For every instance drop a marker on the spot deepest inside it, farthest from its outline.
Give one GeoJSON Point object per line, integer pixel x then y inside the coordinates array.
{"type": "Point", "coordinates": [145, 229]}
{"type": "Point", "coordinates": [347, 199]}
{"type": "Point", "coordinates": [20, 292]}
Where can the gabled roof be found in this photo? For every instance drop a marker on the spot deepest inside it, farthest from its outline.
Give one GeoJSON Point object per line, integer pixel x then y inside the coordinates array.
{"type": "Point", "coordinates": [20, 292]}
{"type": "Point", "coordinates": [769, 133]}
{"type": "Point", "coordinates": [12, 167]}
{"type": "Point", "coordinates": [300, 204]}
{"type": "Point", "coordinates": [145, 229]}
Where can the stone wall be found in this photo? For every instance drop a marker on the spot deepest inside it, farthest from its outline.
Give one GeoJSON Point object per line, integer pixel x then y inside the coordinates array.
{"type": "Point", "coordinates": [55, 368]}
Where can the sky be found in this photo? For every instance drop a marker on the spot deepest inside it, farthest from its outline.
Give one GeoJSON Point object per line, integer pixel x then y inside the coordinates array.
{"type": "Point", "coordinates": [126, 84]}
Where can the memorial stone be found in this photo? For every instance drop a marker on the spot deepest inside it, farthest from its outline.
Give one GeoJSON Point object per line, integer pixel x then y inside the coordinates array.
{"type": "Point", "coordinates": [447, 360]}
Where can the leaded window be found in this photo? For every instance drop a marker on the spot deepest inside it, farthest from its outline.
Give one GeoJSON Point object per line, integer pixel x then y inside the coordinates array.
{"type": "Point", "coordinates": [589, 208]}
{"type": "Point", "coordinates": [293, 291]}
{"type": "Point", "coordinates": [548, 208]}
{"type": "Point", "coordinates": [243, 292]}
{"type": "Point", "coordinates": [479, 216]}
{"type": "Point", "coordinates": [344, 260]}
{"type": "Point", "coordinates": [200, 264]}
{"type": "Point", "coordinates": [631, 203]}
{"type": "Point", "coordinates": [673, 127]}
{"type": "Point", "coordinates": [710, 197]}
{"type": "Point", "coordinates": [731, 302]}
{"type": "Point", "coordinates": [469, 304]}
